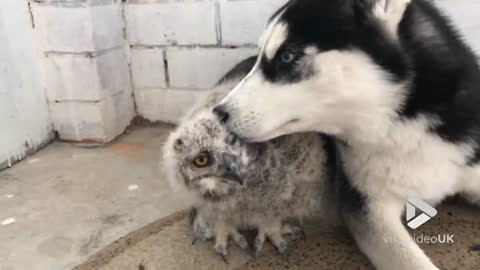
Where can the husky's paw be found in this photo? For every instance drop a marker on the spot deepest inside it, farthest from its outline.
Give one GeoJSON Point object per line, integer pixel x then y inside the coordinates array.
{"type": "Point", "coordinates": [385, 8]}
{"type": "Point", "coordinates": [390, 12]}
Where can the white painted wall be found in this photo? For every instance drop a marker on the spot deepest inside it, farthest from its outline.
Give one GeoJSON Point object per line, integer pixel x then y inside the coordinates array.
{"type": "Point", "coordinates": [465, 14]}
{"type": "Point", "coordinates": [24, 115]}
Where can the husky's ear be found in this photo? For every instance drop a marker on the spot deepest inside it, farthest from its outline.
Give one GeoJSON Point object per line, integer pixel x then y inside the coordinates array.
{"type": "Point", "coordinates": [387, 12]}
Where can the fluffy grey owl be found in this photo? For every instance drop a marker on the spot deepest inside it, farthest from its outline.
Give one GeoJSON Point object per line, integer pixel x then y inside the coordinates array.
{"type": "Point", "coordinates": [234, 185]}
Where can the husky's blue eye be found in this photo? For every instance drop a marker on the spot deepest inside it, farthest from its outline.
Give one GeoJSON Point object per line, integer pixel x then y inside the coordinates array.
{"type": "Point", "coordinates": [287, 57]}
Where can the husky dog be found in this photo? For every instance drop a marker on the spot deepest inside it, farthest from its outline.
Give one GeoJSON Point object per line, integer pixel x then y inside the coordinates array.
{"type": "Point", "coordinates": [395, 84]}
{"type": "Point", "coordinates": [245, 186]}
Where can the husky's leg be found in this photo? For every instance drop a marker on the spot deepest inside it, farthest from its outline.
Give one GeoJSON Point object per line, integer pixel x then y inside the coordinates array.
{"type": "Point", "coordinates": [472, 191]}
{"type": "Point", "coordinates": [380, 234]}
{"type": "Point", "coordinates": [473, 197]}
{"type": "Point", "coordinates": [471, 185]}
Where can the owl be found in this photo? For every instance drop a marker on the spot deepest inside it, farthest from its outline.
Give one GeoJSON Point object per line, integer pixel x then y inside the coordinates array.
{"type": "Point", "coordinates": [234, 185]}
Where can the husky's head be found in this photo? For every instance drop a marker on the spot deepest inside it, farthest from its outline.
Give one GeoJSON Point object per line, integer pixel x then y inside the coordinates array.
{"type": "Point", "coordinates": [324, 65]}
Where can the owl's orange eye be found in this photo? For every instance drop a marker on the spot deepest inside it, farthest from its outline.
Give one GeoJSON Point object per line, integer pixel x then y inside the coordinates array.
{"type": "Point", "coordinates": [202, 160]}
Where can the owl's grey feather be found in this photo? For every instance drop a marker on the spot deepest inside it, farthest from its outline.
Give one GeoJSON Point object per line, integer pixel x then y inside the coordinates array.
{"type": "Point", "coordinates": [282, 179]}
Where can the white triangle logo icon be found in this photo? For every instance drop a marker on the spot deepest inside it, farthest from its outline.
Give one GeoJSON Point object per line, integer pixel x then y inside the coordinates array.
{"type": "Point", "coordinates": [427, 212]}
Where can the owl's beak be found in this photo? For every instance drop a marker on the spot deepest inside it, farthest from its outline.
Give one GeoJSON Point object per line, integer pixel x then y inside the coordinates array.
{"type": "Point", "coordinates": [232, 169]}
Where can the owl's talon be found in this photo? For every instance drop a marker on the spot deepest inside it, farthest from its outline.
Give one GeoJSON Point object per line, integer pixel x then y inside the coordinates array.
{"type": "Point", "coordinates": [295, 231]}
{"type": "Point", "coordinates": [199, 235]}
{"type": "Point", "coordinates": [282, 248]}
{"type": "Point", "coordinates": [254, 253]}
{"type": "Point", "coordinates": [224, 259]}
{"type": "Point", "coordinates": [257, 246]}
{"type": "Point", "coordinates": [221, 251]}
{"type": "Point", "coordinates": [198, 238]}
{"type": "Point", "coordinates": [303, 235]}
{"type": "Point", "coordinates": [242, 242]}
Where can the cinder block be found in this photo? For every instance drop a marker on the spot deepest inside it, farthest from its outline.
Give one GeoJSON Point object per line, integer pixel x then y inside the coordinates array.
{"type": "Point", "coordinates": [166, 105]}
{"type": "Point", "coordinates": [70, 77]}
{"type": "Point", "coordinates": [113, 71]}
{"type": "Point", "coordinates": [79, 28]}
{"type": "Point", "coordinates": [185, 22]}
{"type": "Point", "coordinates": [82, 78]}
{"type": "Point", "coordinates": [148, 68]}
{"type": "Point", "coordinates": [78, 121]}
{"type": "Point", "coordinates": [61, 1]}
{"type": "Point", "coordinates": [99, 122]}
{"type": "Point", "coordinates": [76, 2]}
{"type": "Point", "coordinates": [117, 113]}
{"type": "Point", "coordinates": [243, 21]}
{"type": "Point", "coordinates": [108, 26]}
{"type": "Point", "coordinates": [201, 68]}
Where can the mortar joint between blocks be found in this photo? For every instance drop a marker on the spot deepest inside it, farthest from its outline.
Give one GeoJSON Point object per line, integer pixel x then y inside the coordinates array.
{"type": "Point", "coordinates": [31, 14]}
{"type": "Point", "coordinates": [124, 19]}
{"type": "Point", "coordinates": [218, 23]}
{"type": "Point", "coordinates": [165, 68]}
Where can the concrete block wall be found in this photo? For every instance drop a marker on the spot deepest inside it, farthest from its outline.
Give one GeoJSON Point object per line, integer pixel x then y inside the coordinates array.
{"type": "Point", "coordinates": [179, 49]}
{"type": "Point", "coordinates": [86, 63]}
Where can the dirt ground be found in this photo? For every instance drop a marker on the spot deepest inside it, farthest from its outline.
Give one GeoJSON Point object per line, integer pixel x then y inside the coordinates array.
{"type": "Point", "coordinates": [166, 244]}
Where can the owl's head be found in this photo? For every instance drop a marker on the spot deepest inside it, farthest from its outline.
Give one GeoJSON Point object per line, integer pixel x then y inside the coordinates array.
{"type": "Point", "coordinates": [203, 157]}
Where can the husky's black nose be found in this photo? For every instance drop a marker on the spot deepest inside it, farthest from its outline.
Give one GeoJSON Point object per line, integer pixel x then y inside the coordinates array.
{"type": "Point", "coordinates": [220, 112]}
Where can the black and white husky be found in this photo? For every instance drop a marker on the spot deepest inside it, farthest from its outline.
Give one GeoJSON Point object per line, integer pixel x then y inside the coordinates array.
{"type": "Point", "coordinates": [394, 82]}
